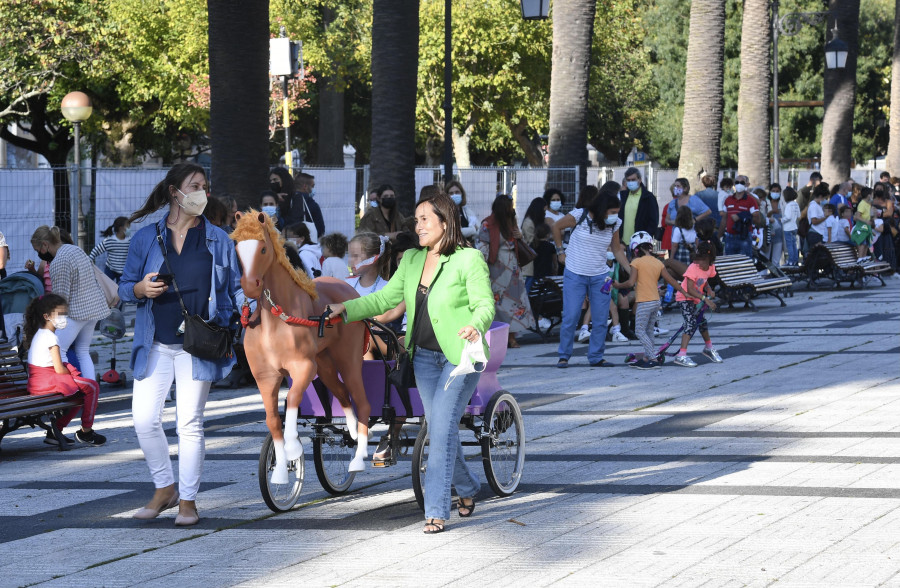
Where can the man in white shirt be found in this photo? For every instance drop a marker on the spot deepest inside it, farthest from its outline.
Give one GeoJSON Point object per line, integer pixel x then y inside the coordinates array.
{"type": "Point", "coordinates": [816, 216]}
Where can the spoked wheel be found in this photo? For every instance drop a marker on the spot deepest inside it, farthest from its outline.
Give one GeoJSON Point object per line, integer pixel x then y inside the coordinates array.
{"type": "Point", "coordinates": [419, 463]}
{"type": "Point", "coordinates": [503, 443]}
{"type": "Point", "coordinates": [279, 497]}
{"type": "Point", "coordinates": [333, 449]}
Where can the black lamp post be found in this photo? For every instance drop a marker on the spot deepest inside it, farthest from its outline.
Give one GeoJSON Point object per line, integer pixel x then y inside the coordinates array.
{"type": "Point", "coordinates": [448, 96]}
{"type": "Point", "coordinates": [836, 51]}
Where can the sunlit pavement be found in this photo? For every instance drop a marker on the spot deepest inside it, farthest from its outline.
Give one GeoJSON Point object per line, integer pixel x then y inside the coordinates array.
{"type": "Point", "coordinates": [779, 466]}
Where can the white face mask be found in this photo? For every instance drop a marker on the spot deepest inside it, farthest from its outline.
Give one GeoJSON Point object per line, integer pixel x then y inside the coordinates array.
{"type": "Point", "coordinates": [59, 322]}
{"type": "Point", "coordinates": [677, 191]}
{"type": "Point", "coordinates": [472, 360]}
{"type": "Point", "coordinates": [555, 205]}
{"type": "Point", "coordinates": [364, 264]}
{"type": "Point", "coordinates": [775, 195]}
{"type": "Point", "coordinates": [456, 198]}
{"type": "Point", "coordinates": [270, 210]}
{"type": "Point", "coordinates": [194, 202]}
{"type": "Point", "coordinates": [739, 187]}
{"type": "Point", "coordinates": [611, 219]}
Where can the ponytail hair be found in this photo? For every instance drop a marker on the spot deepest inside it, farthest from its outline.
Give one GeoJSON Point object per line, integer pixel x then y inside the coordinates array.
{"type": "Point", "coordinates": [120, 222]}
{"type": "Point", "coordinates": [34, 315]}
{"type": "Point", "coordinates": [159, 197]}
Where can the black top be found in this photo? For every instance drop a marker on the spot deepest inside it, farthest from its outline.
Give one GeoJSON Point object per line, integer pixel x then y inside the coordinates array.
{"type": "Point", "coordinates": [424, 333]}
{"type": "Point", "coordinates": [193, 272]}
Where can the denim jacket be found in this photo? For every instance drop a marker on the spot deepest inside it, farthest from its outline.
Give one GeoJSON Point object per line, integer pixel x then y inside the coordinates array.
{"type": "Point", "coordinates": [145, 256]}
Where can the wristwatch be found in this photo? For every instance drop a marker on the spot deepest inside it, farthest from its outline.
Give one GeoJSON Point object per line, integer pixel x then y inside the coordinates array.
{"type": "Point", "coordinates": [559, 250]}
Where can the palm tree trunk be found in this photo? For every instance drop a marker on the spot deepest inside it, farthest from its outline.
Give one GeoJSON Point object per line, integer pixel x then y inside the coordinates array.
{"type": "Point", "coordinates": [239, 97]}
{"type": "Point", "coordinates": [395, 64]}
{"type": "Point", "coordinates": [573, 29]}
{"type": "Point", "coordinates": [753, 97]}
{"type": "Point", "coordinates": [840, 97]}
{"type": "Point", "coordinates": [892, 164]}
{"type": "Point", "coordinates": [703, 90]}
{"type": "Point", "coordinates": [331, 111]}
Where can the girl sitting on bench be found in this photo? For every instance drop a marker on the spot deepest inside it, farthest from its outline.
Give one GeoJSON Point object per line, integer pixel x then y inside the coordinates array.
{"type": "Point", "coordinates": [47, 374]}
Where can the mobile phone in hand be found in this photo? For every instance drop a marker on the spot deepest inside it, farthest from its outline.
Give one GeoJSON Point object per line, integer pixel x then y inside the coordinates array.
{"type": "Point", "coordinates": [165, 278]}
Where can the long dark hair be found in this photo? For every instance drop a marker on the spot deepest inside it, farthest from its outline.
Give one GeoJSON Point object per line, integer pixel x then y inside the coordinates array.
{"type": "Point", "coordinates": [287, 181]}
{"type": "Point", "coordinates": [34, 315]}
{"type": "Point", "coordinates": [504, 215]}
{"type": "Point", "coordinates": [446, 211]}
{"type": "Point", "coordinates": [599, 206]}
{"type": "Point", "coordinates": [586, 196]}
{"type": "Point", "coordinates": [159, 197]}
{"type": "Point", "coordinates": [536, 212]}
{"type": "Point", "coordinates": [120, 222]}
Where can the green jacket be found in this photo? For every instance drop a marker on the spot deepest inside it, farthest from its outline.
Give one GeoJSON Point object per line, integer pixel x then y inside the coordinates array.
{"type": "Point", "coordinates": [461, 295]}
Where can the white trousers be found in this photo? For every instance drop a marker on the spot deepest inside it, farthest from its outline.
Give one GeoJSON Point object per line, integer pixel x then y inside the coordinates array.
{"type": "Point", "coordinates": [77, 337]}
{"type": "Point", "coordinates": [165, 363]}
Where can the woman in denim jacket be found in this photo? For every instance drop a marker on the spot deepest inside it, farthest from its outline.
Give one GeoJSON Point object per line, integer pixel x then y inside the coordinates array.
{"type": "Point", "coordinates": [203, 261]}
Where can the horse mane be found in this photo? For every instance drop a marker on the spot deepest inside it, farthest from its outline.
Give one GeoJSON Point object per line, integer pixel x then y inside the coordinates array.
{"type": "Point", "coordinates": [249, 228]}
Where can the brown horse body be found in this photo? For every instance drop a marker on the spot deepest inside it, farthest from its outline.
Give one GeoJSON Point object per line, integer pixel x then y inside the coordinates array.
{"type": "Point", "coordinates": [276, 349]}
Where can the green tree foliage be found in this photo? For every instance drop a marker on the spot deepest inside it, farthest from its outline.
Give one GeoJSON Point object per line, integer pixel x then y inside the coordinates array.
{"type": "Point", "coordinates": [801, 62]}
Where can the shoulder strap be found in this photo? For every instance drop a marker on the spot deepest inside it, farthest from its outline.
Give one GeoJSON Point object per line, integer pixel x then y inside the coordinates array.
{"type": "Point", "coordinates": [162, 248]}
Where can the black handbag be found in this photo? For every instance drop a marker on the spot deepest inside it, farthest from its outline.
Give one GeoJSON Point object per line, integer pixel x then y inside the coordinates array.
{"type": "Point", "coordinates": [402, 376]}
{"type": "Point", "coordinates": [201, 338]}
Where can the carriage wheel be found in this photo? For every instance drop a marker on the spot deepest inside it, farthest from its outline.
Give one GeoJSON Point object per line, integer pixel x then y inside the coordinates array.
{"type": "Point", "coordinates": [503, 443]}
{"type": "Point", "coordinates": [279, 497]}
{"type": "Point", "coordinates": [419, 463]}
{"type": "Point", "coordinates": [332, 452]}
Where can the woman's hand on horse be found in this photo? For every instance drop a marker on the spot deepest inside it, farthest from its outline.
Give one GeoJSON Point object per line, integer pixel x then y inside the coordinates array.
{"type": "Point", "coordinates": [337, 308]}
{"type": "Point", "coordinates": [469, 333]}
{"type": "Point", "coordinates": [147, 288]}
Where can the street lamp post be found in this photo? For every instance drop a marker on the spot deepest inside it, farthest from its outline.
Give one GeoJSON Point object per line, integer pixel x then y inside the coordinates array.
{"type": "Point", "coordinates": [448, 95]}
{"type": "Point", "coordinates": [535, 9]}
{"type": "Point", "coordinates": [286, 61]}
{"type": "Point", "coordinates": [76, 108]}
{"type": "Point", "coordinates": [835, 58]}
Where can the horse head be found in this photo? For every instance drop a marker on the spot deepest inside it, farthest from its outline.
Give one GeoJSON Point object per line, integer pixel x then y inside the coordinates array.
{"type": "Point", "coordinates": [255, 249]}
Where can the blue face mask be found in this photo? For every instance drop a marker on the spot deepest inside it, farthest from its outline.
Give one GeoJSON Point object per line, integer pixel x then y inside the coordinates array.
{"type": "Point", "coordinates": [677, 191]}
{"type": "Point", "coordinates": [373, 204]}
{"type": "Point", "coordinates": [775, 195]}
{"type": "Point", "coordinates": [456, 198]}
{"type": "Point", "coordinates": [612, 219]}
{"type": "Point", "coordinates": [312, 193]}
{"type": "Point", "coordinates": [269, 210]}
{"type": "Point", "coordinates": [632, 185]}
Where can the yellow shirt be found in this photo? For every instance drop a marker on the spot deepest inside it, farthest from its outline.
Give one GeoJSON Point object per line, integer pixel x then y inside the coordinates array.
{"type": "Point", "coordinates": [865, 211]}
{"type": "Point", "coordinates": [631, 208]}
{"type": "Point", "coordinates": [649, 269]}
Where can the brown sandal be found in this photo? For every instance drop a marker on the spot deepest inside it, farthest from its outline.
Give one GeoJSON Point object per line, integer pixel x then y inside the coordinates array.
{"type": "Point", "coordinates": [435, 527]}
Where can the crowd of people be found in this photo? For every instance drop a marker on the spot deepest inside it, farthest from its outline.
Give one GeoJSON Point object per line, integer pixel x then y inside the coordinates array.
{"type": "Point", "coordinates": [619, 257]}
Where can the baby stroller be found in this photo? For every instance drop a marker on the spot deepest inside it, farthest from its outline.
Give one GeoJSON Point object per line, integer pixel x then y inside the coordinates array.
{"type": "Point", "coordinates": [113, 327]}
{"type": "Point", "coordinates": [16, 291]}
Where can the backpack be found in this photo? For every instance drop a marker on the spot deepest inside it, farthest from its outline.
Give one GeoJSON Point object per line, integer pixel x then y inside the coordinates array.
{"type": "Point", "coordinates": [860, 233]}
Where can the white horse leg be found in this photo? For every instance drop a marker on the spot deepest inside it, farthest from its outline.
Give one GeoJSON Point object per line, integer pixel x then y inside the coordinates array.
{"type": "Point", "coordinates": [280, 475]}
{"type": "Point", "coordinates": [362, 452]}
{"type": "Point", "coordinates": [352, 422]}
{"type": "Point", "coordinates": [292, 448]}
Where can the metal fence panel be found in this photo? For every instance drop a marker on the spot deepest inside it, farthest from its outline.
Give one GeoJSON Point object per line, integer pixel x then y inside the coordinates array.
{"type": "Point", "coordinates": [336, 190]}
{"type": "Point", "coordinates": [26, 202]}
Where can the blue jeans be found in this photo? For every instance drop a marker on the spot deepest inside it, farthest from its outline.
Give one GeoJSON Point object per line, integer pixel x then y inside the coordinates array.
{"type": "Point", "coordinates": [443, 410]}
{"type": "Point", "coordinates": [734, 245]}
{"type": "Point", "coordinates": [575, 288]}
{"type": "Point", "coordinates": [790, 241]}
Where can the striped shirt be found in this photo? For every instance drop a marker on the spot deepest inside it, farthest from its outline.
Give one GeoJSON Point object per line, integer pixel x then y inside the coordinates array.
{"type": "Point", "coordinates": [72, 275]}
{"type": "Point", "coordinates": [116, 252]}
{"type": "Point", "coordinates": [586, 253]}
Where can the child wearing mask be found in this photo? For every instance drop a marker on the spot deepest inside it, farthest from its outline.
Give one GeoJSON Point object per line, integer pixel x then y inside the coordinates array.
{"type": "Point", "coordinates": [334, 248]}
{"type": "Point", "coordinates": [298, 236]}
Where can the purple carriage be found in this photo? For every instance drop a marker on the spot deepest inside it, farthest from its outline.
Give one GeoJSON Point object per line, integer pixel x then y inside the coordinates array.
{"type": "Point", "coordinates": [493, 416]}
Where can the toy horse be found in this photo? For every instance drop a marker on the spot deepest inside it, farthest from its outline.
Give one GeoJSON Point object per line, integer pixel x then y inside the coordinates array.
{"type": "Point", "coordinates": [281, 341]}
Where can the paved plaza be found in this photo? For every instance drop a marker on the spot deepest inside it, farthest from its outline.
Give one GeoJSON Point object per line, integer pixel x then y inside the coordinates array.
{"type": "Point", "coordinates": [780, 466]}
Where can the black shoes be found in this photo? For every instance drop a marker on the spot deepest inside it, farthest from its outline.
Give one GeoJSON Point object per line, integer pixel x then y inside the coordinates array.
{"type": "Point", "coordinates": [90, 438]}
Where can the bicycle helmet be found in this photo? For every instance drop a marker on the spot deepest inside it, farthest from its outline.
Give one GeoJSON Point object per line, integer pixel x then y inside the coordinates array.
{"type": "Point", "coordinates": [640, 238]}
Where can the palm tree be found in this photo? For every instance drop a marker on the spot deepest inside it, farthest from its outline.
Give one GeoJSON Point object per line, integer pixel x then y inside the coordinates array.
{"type": "Point", "coordinates": [573, 27]}
{"type": "Point", "coordinates": [753, 97]}
{"type": "Point", "coordinates": [395, 65]}
{"type": "Point", "coordinates": [892, 164]}
{"type": "Point", "coordinates": [331, 109]}
{"type": "Point", "coordinates": [840, 97]}
{"type": "Point", "coordinates": [703, 90]}
{"type": "Point", "coordinates": [239, 97]}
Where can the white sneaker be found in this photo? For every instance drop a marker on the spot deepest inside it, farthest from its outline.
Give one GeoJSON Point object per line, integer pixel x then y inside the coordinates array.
{"type": "Point", "coordinates": [657, 331]}
{"type": "Point", "coordinates": [684, 361]}
{"type": "Point", "coordinates": [619, 337]}
{"type": "Point", "coordinates": [583, 334]}
{"type": "Point", "coordinates": [544, 323]}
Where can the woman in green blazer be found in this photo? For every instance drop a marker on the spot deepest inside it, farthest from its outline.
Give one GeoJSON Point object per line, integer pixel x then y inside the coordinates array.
{"type": "Point", "coordinates": [448, 299]}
